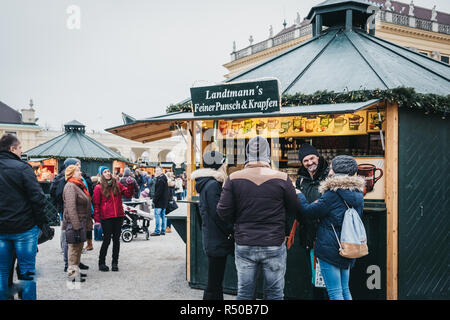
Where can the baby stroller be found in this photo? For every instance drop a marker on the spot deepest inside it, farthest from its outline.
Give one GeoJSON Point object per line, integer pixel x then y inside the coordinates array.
{"type": "Point", "coordinates": [136, 221]}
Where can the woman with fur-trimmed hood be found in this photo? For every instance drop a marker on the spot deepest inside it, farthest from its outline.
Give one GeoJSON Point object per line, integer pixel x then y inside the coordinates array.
{"type": "Point", "coordinates": [342, 184]}
{"type": "Point", "coordinates": [217, 235]}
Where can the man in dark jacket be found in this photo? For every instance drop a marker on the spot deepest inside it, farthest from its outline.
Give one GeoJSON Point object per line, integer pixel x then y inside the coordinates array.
{"type": "Point", "coordinates": [257, 199]}
{"type": "Point", "coordinates": [22, 214]}
{"type": "Point", "coordinates": [160, 200]}
{"type": "Point", "coordinates": [217, 235]}
{"type": "Point", "coordinates": [313, 171]}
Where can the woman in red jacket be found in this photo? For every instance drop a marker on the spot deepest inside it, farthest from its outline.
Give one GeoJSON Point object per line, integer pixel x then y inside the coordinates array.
{"type": "Point", "coordinates": [108, 210]}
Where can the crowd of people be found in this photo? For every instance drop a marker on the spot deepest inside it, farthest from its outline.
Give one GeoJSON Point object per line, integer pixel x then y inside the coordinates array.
{"type": "Point", "coordinates": [244, 214]}
{"type": "Point", "coordinates": [83, 203]}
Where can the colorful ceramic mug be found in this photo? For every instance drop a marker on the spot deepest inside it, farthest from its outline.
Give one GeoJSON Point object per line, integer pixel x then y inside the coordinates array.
{"type": "Point", "coordinates": [248, 125]}
{"type": "Point", "coordinates": [368, 172]}
{"type": "Point", "coordinates": [285, 125]}
{"type": "Point", "coordinates": [272, 123]}
{"type": "Point", "coordinates": [297, 124]}
{"type": "Point", "coordinates": [355, 121]}
{"type": "Point", "coordinates": [339, 123]}
{"type": "Point", "coordinates": [310, 125]}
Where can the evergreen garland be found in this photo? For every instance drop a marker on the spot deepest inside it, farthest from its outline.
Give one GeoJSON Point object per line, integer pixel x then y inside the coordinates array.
{"type": "Point", "coordinates": [404, 97]}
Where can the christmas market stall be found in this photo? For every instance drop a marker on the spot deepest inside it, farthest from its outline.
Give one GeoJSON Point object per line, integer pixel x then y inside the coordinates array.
{"type": "Point", "coordinates": [48, 158]}
{"type": "Point", "coordinates": [74, 143]}
{"type": "Point", "coordinates": [345, 91]}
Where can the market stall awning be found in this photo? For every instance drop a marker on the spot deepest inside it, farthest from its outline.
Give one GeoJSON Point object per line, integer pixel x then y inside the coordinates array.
{"type": "Point", "coordinates": [161, 127]}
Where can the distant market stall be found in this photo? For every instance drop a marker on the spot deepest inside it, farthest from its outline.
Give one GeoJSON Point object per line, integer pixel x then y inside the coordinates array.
{"type": "Point", "coordinates": [346, 92]}
{"type": "Point", "coordinates": [48, 158]}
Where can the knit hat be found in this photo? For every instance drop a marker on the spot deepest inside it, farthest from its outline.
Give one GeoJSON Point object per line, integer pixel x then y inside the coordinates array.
{"type": "Point", "coordinates": [306, 150]}
{"type": "Point", "coordinates": [101, 169]}
{"type": "Point", "coordinates": [71, 161]}
{"type": "Point", "coordinates": [344, 165]}
{"type": "Point", "coordinates": [257, 149]}
{"type": "Point", "coordinates": [70, 170]}
{"type": "Point", "coordinates": [213, 160]}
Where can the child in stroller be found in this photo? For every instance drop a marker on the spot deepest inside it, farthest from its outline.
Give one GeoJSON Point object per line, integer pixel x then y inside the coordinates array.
{"type": "Point", "coordinates": [136, 221]}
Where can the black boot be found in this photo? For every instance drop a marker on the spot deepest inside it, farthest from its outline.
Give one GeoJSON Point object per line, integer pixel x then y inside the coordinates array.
{"type": "Point", "coordinates": [83, 266]}
{"type": "Point", "coordinates": [115, 267]}
{"type": "Point", "coordinates": [103, 267]}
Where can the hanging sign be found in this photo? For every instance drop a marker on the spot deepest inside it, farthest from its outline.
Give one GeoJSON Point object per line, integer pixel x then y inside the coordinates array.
{"type": "Point", "coordinates": [234, 98]}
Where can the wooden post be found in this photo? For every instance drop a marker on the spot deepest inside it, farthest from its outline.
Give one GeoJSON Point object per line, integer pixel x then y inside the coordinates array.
{"type": "Point", "coordinates": [391, 189]}
{"type": "Point", "coordinates": [190, 167]}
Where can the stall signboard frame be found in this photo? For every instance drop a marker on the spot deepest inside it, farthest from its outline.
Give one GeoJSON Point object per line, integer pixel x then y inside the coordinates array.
{"type": "Point", "coordinates": [237, 97]}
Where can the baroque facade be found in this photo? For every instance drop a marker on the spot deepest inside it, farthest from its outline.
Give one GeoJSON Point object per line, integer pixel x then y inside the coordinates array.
{"type": "Point", "coordinates": [424, 30]}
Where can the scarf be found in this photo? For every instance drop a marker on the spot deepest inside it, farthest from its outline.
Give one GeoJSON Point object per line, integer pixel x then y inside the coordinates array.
{"type": "Point", "coordinates": [80, 183]}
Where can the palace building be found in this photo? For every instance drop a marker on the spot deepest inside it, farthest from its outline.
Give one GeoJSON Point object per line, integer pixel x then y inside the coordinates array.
{"type": "Point", "coordinates": [423, 30]}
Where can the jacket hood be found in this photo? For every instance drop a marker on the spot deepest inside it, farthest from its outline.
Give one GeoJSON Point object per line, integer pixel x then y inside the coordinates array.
{"type": "Point", "coordinates": [350, 188]}
{"type": "Point", "coordinates": [202, 176]}
{"type": "Point", "coordinates": [351, 183]}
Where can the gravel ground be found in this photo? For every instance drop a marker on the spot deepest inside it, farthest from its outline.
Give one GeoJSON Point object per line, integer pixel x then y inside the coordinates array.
{"type": "Point", "coordinates": [152, 269]}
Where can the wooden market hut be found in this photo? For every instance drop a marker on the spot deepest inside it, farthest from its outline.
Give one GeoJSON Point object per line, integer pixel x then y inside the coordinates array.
{"type": "Point", "coordinates": [408, 228]}
{"type": "Point", "coordinates": [74, 143]}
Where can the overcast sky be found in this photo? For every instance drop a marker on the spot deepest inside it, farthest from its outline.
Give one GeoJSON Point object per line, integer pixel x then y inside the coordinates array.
{"type": "Point", "coordinates": [132, 56]}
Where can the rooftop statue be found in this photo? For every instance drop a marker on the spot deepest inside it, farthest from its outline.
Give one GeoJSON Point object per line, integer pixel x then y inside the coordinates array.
{"type": "Point", "coordinates": [411, 9]}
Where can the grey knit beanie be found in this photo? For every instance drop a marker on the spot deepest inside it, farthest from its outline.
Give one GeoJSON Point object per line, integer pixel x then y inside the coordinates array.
{"type": "Point", "coordinates": [257, 149]}
{"type": "Point", "coordinates": [344, 165]}
{"type": "Point", "coordinates": [71, 161]}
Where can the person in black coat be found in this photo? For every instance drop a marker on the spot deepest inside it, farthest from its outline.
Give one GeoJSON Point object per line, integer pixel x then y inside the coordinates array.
{"type": "Point", "coordinates": [217, 235]}
{"type": "Point", "coordinates": [160, 200]}
{"type": "Point", "coordinates": [22, 215]}
{"type": "Point", "coordinates": [313, 171]}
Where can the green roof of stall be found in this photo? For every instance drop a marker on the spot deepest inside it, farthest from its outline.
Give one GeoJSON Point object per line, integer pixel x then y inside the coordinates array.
{"type": "Point", "coordinates": [346, 60]}
{"type": "Point", "coordinates": [74, 143]}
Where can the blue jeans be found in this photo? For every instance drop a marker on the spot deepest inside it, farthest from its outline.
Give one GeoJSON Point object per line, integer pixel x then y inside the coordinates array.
{"type": "Point", "coordinates": [336, 281]}
{"type": "Point", "coordinates": [25, 245]}
{"type": "Point", "coordinates": [272, 261]}
{"type": "Point", "coordinates": [160, 214]}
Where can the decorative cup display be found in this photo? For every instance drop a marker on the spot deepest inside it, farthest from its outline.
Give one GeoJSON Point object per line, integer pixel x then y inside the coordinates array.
{"type": "Point", "coordinates": [368, 172]}
{"type": "Point", "coordinates": [235, 127]}
{"type": "Point", "coordinates": [355, 121]}
{"type": "Point", "coordinates": [325, 121]}
{"type": "Point", "coordinates": [285, 125]}
{"type": "Point", "coordinates": [374, 121]}
{"type": "Point", "coordinates": [339, 123]}
{"type": "Point", "coordinates": [260, 126]}
{"type": "Point", "coordinates": [310, 125]}
{"type": "Point", "coordinates": [272, 124]}
{"type": "Point", "coordinates": [248, 125]}
{"type": "Point", "coordinates": [223, 127]}
{"type": "Point", "coordinates": [297, 124]}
